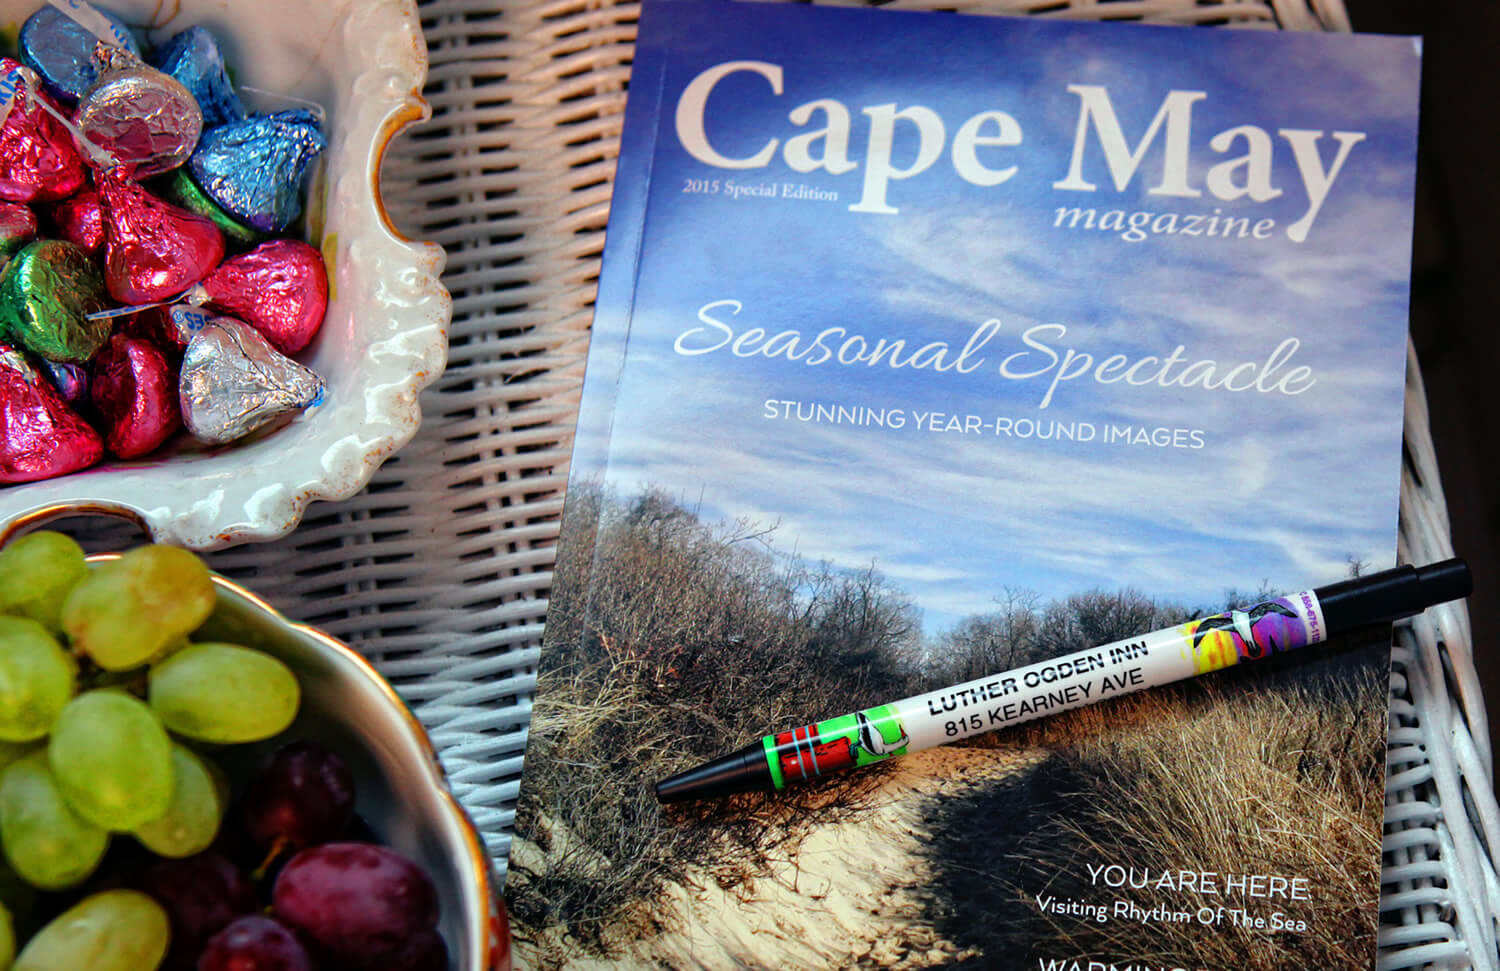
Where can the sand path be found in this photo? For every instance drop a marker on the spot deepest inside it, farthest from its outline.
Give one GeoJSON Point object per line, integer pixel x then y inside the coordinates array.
{"type": "Point", "coordinates": [846, 896]}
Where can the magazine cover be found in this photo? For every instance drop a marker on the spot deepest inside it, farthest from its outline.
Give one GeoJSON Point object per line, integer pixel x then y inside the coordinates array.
{"type": "Point", "coordinates": [930, 348]}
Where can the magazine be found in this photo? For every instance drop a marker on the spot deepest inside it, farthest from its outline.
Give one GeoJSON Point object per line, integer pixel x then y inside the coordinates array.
{"type": "Point", "coordinates": [929, 347]}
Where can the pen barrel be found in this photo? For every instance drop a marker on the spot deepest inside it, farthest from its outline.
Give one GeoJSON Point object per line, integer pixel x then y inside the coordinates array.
{"type": "Point", "coordinates": [1083, 678]}
{"type": "Point", "coordinates": [1044, 688]}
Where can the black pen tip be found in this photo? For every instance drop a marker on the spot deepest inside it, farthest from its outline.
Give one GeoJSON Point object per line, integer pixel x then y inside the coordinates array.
{"type": "Point", "coordinates": [1445, 580]}
{"type": "Point", "coordinates": [1378, 598]}
{"type": "Point", "coordinates": [742, 771]}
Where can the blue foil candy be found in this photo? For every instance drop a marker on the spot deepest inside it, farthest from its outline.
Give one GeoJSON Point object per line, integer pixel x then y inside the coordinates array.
{"type": "Point", "coordinates": [193, 58]}
{"type": "Point", "coordinates": [61, 50]}
{"type": "Point", "coordinates": [253, 168]}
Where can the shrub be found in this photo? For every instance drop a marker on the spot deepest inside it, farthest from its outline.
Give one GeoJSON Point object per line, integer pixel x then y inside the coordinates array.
{"type": "Point", "coordinates": [670, 641]}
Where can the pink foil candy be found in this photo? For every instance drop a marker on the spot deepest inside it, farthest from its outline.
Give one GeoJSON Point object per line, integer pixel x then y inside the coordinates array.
{"type": "Point", "coordinates": [40, 436]}
{"type": "Point", "coordinates": [17, 227]}
{"type": "Point", "coordinates": [134, 388]}
{"type": "Point", "coordinates": [38, 159]}
{"type": "Point", "coordinates": [152, 325]}
{"type": "Point", "coordinates": [152, 250]}
{"type": "Point", "coordinates": [80, 221]}
{"type": "Point", "coordinates": [280, 288]}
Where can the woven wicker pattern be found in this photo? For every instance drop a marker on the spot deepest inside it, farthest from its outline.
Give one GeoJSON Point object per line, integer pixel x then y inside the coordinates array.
{"type": "Point", "coordinates": [1440, 897]}
{"type": "Point", "coordinates": [440, 570]}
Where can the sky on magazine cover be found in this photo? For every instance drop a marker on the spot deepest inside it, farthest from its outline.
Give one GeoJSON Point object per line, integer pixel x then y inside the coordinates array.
{"type": "Point", "coordinates": [1284, 488]}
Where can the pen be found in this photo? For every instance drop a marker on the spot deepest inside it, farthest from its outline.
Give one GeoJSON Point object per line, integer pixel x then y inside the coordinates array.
{"type": "Point", "coordinates": [1047, 687]}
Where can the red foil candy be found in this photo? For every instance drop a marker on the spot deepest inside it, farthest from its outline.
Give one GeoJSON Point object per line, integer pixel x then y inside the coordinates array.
{"type": "Point", "coordinates": [40, 436]}
{"type": "Point", "coordinates": [80, 221]}
{"type": "Point", "coordinates": [38, 160]}
{"type": "Point", "coordinates": [280, 288]}
{"type": "Point", "coordinates": [152, 250]}
{"type": "Point", "coordinates": [134, 388]}
{"type": "Point", "coordinates": [153, 326]}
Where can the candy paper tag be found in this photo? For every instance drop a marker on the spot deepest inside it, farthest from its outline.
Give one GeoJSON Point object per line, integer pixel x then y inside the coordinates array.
{"type": "Point", "coordinates": [97, 155]}
{"type": "Point", "coordinates": [122, 311]}
{"type": "Point", "coordinates": [14, 359]}
{"type": "Point", "coordinates": [90, 19]}
{"type": "Point", "coordinates": [317, 109]}
{"type": "Point", "coordinates": [188, 321]}
{"type": "Point", "coordinates": [11, 85]}
{"type": "Point", "coordinates": [193, 296]}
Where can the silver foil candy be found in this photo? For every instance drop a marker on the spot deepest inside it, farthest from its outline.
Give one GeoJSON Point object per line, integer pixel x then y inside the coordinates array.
{"type": "Point", "coordinates": [234, 381]}
{"type": "Point", "coordinates": [146, 119]}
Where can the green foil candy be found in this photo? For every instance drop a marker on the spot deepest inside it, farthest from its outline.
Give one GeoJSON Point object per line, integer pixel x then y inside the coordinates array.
{"type": "Point", "coordinates": [180, 190]}
{"type": "Point", "coordinates": [47, 291]}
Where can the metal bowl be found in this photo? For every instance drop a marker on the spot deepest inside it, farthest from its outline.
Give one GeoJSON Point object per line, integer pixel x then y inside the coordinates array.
{"type": "Point", "coordinates": [400, 787]}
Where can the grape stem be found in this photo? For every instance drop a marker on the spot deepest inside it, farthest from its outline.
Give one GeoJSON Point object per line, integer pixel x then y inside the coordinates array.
{"type": "Point", "coordinates": [280, 846]}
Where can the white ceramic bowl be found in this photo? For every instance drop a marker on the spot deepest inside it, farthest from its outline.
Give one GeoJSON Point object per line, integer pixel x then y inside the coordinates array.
{"type": "Point", "coordinates": [385, 336]}
{"type": "Point", "coordinates": [400, 789]}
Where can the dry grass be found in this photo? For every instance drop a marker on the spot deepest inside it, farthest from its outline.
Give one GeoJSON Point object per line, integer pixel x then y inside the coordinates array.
{"type": "Point", "coordinates": [691, 642]}
{"type": "Point", "coordinates": [1280, 775]}
{"type": "Point", "coordinates": [670, 641]}
{"type": "Point", "coordinates": [599, 845]}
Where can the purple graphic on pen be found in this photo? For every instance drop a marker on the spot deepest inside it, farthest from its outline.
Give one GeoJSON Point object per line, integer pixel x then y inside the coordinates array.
{"type": "Point", "coordinates": [1249, 633]}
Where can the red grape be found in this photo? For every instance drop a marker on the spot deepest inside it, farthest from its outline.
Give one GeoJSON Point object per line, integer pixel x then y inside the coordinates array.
{"type": "Point", "coordinates": [356, 902]}
{"type": "Point", "coordinates": [201, 895]}
{"type": "Point", "coordinates": [254, 944]}
{"type": "Point", "coordinates": [424, 952]}
{"type": "Point", "coordinates": [303, 797]}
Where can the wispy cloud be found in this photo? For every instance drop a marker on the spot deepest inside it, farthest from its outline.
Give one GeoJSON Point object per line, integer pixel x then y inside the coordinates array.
{"type": "Point", "coordinates": [1250, 485]}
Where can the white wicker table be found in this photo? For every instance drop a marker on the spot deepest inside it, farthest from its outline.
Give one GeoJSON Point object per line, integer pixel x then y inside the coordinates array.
{"type": "Point", "coordinates": [439, 571]}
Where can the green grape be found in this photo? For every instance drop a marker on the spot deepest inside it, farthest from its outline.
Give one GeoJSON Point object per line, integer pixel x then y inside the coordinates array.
{"type": "Point", "coordinates": [49, 845]}
{"type": "Point", "coordinates": [116, 930]}
{"type": "Point", "coordinates": [36, 679]}
{"type": "Point", "coordinates": [7, 938]}
{"type": "Point", "coordinates": [223, 693]}
{"type": "Point", "coordinates": [112, 760]}
{"type": "Point", "coordinates": [192, 821]}
{"type": "Point", "coordinates": [128, 611]}
{"type": "Point", "coordinates": [36, 572]}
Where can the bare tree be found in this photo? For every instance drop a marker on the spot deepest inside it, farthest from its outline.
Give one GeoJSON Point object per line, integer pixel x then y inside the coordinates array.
{"type": "Point", "coordinates": [982, 644]}
{"type": "Point", "coordinates": [1099, 617]}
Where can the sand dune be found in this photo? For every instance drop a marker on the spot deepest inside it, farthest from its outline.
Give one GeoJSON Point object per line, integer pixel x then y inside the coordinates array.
{"type": "Point", "coordinates": [846, 896]}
